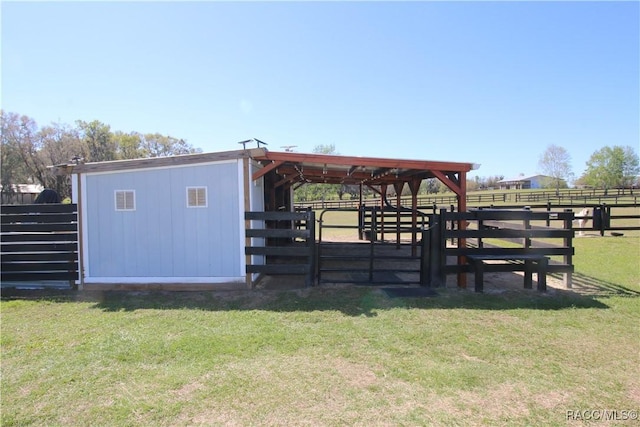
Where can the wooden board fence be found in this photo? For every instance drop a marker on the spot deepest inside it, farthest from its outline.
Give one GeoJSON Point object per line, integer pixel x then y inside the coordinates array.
{"type": "Point", "coordinates": [513, 227]}
{"type": "Point", "coordinates": [282, 243]}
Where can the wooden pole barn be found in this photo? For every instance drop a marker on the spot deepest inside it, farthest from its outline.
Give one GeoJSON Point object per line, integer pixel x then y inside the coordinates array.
{"type": "Point", "coordinates": [288, 168]}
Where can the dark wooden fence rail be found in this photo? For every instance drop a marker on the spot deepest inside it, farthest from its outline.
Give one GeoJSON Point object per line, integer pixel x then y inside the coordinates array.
{"type": "Point", "coordinates": [570, 197]}
{"type": "Point", "coordinates": [602, 217]}
{"type": "Point", "coordinates": [39, 243]}
{"type": "Point", "coordinates": [286, 240]}
{"type": "Point", "coordinates": [512, 226]}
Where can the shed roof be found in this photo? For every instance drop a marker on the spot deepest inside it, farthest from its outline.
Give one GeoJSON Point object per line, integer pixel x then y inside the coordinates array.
{"type": "Point", "coordinates": [156, 162]}
{"type": "Point", "coordinates": [522, 177]}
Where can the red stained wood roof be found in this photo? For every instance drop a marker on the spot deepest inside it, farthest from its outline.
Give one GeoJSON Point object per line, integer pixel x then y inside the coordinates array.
{"type": "Point", "coordinates": [334, 169]}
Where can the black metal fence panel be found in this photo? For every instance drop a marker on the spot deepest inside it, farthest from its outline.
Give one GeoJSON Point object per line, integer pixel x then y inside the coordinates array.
{"type": "Point", "coordinates": [39, 242]}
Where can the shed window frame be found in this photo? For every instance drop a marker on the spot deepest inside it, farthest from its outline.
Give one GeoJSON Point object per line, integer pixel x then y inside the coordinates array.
{"type": "Point", "coordinates": [201, 197]}
{"type": "Point", "coordinates": [125, 207]}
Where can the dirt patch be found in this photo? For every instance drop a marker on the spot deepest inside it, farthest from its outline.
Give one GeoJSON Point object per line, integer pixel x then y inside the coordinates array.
{"type": "Point", "coordinates": [499, 282]}
{"type": "Point", "coordinates": [280, 282]}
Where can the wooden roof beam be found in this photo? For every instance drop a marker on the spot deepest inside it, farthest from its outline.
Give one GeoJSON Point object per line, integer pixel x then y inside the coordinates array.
{"type": "Point", "coordinates": [452, 184]}
{"type": "Point", "coordinates": [363, 161]}
{"type": "Point", "coordinates": [285, 180]}
{"type": "Point", "coordinates": [265, 170]}
{"type": "Point", "coordinates": [319, 173]}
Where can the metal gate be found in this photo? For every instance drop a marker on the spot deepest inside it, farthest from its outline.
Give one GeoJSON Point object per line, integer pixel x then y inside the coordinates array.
{"type": "Point", "coordinates": [375, 251]}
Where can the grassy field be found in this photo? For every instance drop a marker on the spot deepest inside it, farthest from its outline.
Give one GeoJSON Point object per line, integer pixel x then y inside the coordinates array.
{"type": "Point", "coordinates": [330, 356]}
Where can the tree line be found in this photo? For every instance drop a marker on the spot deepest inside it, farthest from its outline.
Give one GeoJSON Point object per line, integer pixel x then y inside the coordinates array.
{"type": "Point", "coordinates": [28, 150]}
{"type": "Point", "coordinates": [608, 167]}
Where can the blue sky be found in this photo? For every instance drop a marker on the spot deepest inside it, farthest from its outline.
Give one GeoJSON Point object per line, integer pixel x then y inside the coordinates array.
{"type": "Point", "coordinates": [485, 82]}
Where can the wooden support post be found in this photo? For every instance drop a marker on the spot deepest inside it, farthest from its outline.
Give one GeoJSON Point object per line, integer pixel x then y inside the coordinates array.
{"type": "Point", "coordinates": [458, 184]}
{"type": "Point", "coordinates": [414, 186]}
{"type": "Point", "coordinates": [425, 253]}
{"type": "Point", "coordinates": [360, 215]}
{"type": "Point", "coordinates": [372, 243]}
{"type": "Point", "coordinates": [462, 225]}
{"type": "Point", "coordinates": [543, 266]}
{"type": "Point", "coordinates": [81, 220]}
{"type": "Point", "coordinates": [311, 244]}
{"type": "Point", "coordinates": [567, 278]}
{"type": "Point", "coordinates": [247, 223]}
{"type": "Point", "coordinates": [548, 210]}
{"type": "Point", "coordinates": [398, 186]}
{"type": "Point", "coordinates": [480, 227]}
{"type": "Point", "coordinates": [527, 226]}
{"type": "Point", "coordinates": [479, 275]}
{"type": "Point", "coordinates": [441, 247]}
{"type": "Point", "coordinates": [434, 251]}
{"type": "Point", "coordinates": [453, 224]}
{"type": "Point", "coordinates": [383, 195]}
{"type": "Point", "coordinates": [528, 274]}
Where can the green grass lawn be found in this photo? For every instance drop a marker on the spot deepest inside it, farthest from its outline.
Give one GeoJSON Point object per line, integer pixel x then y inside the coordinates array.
{"type": "Point", "coordinates": [330, 356]}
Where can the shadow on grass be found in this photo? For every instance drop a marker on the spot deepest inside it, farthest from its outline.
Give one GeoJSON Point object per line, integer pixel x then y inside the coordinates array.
{"type": "Point", "coordinates": [587, 285]}
{"type": "Point", "coordinates": [349, 300]}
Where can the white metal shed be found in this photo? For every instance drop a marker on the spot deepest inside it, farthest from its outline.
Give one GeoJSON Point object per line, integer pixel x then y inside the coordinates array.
{"type": "Point", "coordinates": [176, 222]}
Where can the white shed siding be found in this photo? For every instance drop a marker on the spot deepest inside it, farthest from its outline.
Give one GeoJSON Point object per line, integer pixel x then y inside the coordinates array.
{"type": "Point", "coordinates": [163, 237]}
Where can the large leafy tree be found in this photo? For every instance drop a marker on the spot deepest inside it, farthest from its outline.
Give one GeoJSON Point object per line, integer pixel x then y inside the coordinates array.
{"type": "Point", "coordinates": [135, 145]}
{"type": "Point", "coordinates": [24, 143]}
{"type": "Point", "coordinates": [28, 151]}
{"type": "Point", "coordinates": [157, 145]}
{"type": "Point", "coordinates": [16, 132]}
{"type": "Point", "coordinates": [98, 140]}
{"type": "Point", "coordinates": [612, 167]}
{"type": "Point", "coordinates": [59, 143]}
{"type": "Point", "coordinates": [556, 163]}
{"type": "Point", "coordinates": [129, 145]}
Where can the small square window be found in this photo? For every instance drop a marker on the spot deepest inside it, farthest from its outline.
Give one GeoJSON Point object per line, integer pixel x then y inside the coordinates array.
{"type": "Point", "coordinates": [197, 197]}
{"type": "Point", "coordinates": [125, 200]}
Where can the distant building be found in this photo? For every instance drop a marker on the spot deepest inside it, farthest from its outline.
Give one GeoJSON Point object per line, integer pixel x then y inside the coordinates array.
{"type": "Point", "coordinates": [20, 194]}
{"type": "Point", "coordinates": [522, 182]}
